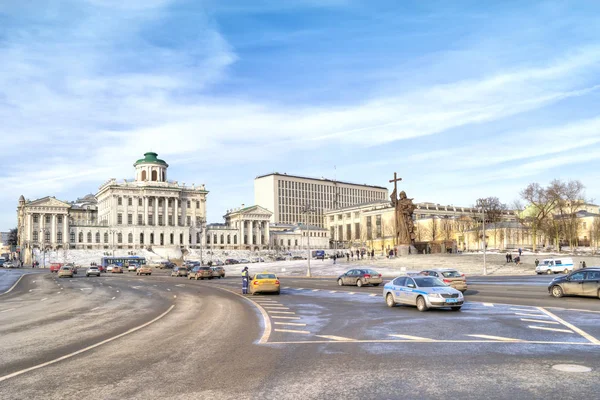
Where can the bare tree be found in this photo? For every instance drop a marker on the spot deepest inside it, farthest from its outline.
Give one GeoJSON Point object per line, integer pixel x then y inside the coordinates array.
{"type": "Point", "coordinates": [541, 204]}
{"type": "Point", "coordinates": [494, 211]}
{"type": "Point", "coordinates": [569, 198]}
{"type": "Point", "coordinates": [595, 233]}
{"type": "Point", "coordinates": [433, 228]}
{"type": "Point", "coordinates": [13, 237]}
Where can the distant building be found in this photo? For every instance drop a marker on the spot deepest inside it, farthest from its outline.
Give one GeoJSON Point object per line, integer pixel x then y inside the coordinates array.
{"type": "Point", "coordinates": [245, 228]}
{"type": "Point", "coordinates": [4, 238]}
{"type": "Point", "coordinates": [286, 195]}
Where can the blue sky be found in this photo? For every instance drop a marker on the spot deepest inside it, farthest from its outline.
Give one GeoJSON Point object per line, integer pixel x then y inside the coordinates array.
{"type": "Point", "coordinates": [463, 99]}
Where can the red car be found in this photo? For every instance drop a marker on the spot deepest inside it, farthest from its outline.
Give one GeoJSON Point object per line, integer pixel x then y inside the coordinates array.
{"type": "Point", "coordinates": [54, 267]}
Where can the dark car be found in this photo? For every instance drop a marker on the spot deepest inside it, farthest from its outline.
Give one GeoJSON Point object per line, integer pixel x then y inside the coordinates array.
{"type": "Point", "coordinates": [360, 277]}
{"type": "Point", "coordinates": [280, 258]}
{"type": "Point", "coordinates": [231, 261]}
{"type": "Point", "coordinates": [583, 282]}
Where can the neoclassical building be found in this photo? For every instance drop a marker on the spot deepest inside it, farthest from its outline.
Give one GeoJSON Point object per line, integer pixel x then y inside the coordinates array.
{"type": "Point", "coordinates": [245, 228]}
{"type": "Point", "coordinates": [140, 213]}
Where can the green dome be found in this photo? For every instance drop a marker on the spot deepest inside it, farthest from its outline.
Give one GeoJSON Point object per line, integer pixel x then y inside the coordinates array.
{"type": "Point", "coordinates": [150, 158]}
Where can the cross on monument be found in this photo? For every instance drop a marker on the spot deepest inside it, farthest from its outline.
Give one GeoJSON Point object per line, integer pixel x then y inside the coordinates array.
{"type": "Point", "coordinates": [395, 180]}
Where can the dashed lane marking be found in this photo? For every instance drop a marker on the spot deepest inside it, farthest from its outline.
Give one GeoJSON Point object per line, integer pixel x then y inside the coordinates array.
{"type": "Point", "coordinates": [532, 315]}
{"type": "Point", "coordinates": [169, 289]}
{"type": "Point", "coordinates": [180, 285]}
{"type": "Point", "coordinates": [523, 309]}
{"type": "Point", "coordinates": [280, 312]}
{"type": "Point", "coordinates": [58, 293]}
{"type": "Point", "coordinates": [281, 317]}
{"type": "Point", "coordinates": [44, 299]}
{"type": "Point", "coordinates": [488, 304]}
{"type": "Point", "coordinates": [373, 295]}
{"type": "Point", "coordinates": [408, 337]}
{"type": "Point", "coordinates": [287, 287]}
{"type": "Point", "coordinates": [539, 321]}
{"type": "Point", "coordinates": [333, 291]}
{"type": "Point", "coordinates": [300, 288]}
{"type": "Point", "coordinates": [316, 290]}
{"type": "Point", "coordinates": [500, 338]}
{"type": "Point", "coordinates": [113, 298]}
{"type": "Point", "coordinates": [10, 309]}
{"type": "Point", "coordinates": [550, 329]}
{"type": "Point", "coordinates": [570, 326]}
{"type": "Point", "coordinates": [88, 288]}
{"type": "Point", "coordinates": [276, 308]}
{"type": "Point", "coordinates": [289, 323]}
{"type": "Point", "coordinates": [351, 292]}
{"type": "Point", "coordinates": [292, 331]}
{"type": "Point", "coordinates": [94, 309]}
{"type": "Point", "coordinates": [31, 290]}
{"type": "Point", "coordinates": [337, 338]}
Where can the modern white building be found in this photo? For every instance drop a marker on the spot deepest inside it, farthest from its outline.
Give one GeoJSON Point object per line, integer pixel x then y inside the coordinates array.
{"type": "Point", "coordinates": [287, 195]}
{"type": "Point", "coordinates": [148, 211]}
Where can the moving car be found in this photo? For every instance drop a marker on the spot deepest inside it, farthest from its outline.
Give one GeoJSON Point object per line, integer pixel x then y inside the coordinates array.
{"type": "Point", "coordinates": [231, 261]}
{"type": "Point", "coordinates": [109, 268]}
{"type": "Point", "coordinates": [360, 277]}
{"type": "Point", "coordinates": [65, 271]}
{"type": "Point", "coordinates": [8, 264]}
{"type": "Point", "coordinates": [92, 270]}
{"type": "Point", "coordinates": [422, 291]}
{"type": "Point", "coordinates": [450, 277]}
{"type": "Point", "coordinates": [144, 270]}
{"type": "Point", "coordinates": [555, 265]}
{"type": "Point", "coordinates": [117, 269]}
{"type": "Point", "coordinates": [55, 267]}
{"type": "Point", "coordinates": [264, 282]}
{"type": "Point", "coordinates": [217, 263]}
{"type": "Point", "coordinates": [179, 271]}
{"type": "Point", "coordinates": [243, 261]}
{"type": "Point", "coordinates": [167, 265]}
{"type": "Point", "coordinates": [218, 272]}
{"type": "Point", "coordinates": [132, 268]}
{"type": "Point", "coordinates": [583, 282]}
{"type": "Point", "coordinates": [201, 273]}
{"type": "Point", "coordinates": [73, 267]}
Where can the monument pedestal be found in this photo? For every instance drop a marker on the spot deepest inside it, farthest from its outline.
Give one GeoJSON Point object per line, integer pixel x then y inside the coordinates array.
{"type": "Point", "coordinates": [406, 249]}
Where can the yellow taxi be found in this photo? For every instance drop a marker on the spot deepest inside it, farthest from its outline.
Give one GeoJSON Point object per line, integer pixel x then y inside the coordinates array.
{"type": "Point", "coordinates": [264, 282]}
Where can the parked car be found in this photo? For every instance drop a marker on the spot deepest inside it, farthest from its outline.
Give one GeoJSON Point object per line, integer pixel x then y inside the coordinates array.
{"type": "Point", "coordinates": [280, 258]}
{"type": "Point", "coordinates": [258, 260]}
{"type": "Point", "coordinates": [360, 277]}
{"type": "Point", "coordinates": [132, 268]}
{"type": "Point", "coordinates": [92, 270]}
{"type": "Point", "coordinates": [555, 265]}
{"type": "Point", "coordinates": [218, 263]}
{"type": "Point", "coordinates": [422, 291]}
{"type": "Point", "coordinates": [201, 273]}
{"type": "Point", "coordinates": [243, 261]}
{"type": "Point", "coordinates": [8, 264]}
{"type": "Point", "coordinates": [218, 272]}
{"type": "Point", "coordinates": [450, 277]}
{"type": "Point", "coordinates": [109, 268]}
{"type": "Point", "coordinates": [144, 270]}
{"type": "Point", "coordinates": [231, 261]}
{"type": "Point", "coordinates": [264, 282]}
{"type": "Point", "coordinates": [55, 267]}
{"type": "Point", "coordinates": [167, 265]}
{"type": "Point", "coordinates": [179, 271]}
{"type": "Point", "coordinates": [65, 271]}
{"type": "Point", "coordinates": [117, 269]}
{"type": "Point", "coordinates": [583, 282]}
{"type": "Point", "coordinates": [101, 268]}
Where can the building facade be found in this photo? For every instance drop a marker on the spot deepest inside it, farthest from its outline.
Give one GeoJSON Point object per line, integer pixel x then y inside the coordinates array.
{"type": "Point", "coordinates": [287, 195]}
{"type": "Point", "coordinates": [245, 228]}
{"type": "Point", "coordinates": [140, 213]}
{"type": "Point", "coordinates": [298, 237]}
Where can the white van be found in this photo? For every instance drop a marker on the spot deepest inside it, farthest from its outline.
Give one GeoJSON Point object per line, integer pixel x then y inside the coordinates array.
{"type": "Point", "coordinates": [555, 266]}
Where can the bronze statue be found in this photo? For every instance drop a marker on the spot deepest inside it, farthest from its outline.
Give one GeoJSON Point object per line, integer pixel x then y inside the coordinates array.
{"type": "Point", "coordinates": [405, 226]}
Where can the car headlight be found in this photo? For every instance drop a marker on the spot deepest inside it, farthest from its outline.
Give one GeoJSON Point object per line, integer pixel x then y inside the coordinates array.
{"type": "Point", "coordinates": [435, 295]}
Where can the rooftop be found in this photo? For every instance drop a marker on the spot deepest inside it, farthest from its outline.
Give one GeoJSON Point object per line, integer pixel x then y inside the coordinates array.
{"type": "Point", "coordinates": [151, 158]}
{"type": "Point", "coordinates": [321, 180]}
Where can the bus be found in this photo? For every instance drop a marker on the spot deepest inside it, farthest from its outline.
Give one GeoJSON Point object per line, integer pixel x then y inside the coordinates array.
{"type": "Point", "coordinates": [123, 261]}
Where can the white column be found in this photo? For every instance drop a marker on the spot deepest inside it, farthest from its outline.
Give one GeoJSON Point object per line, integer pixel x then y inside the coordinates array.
{"type": "Point", "coordinates": [175, 212]}
{"type": "Point", "coordinates": [243, 233]}
{"type": "Point", "coordinates": [29, 226]}
{"type": "Point", "coordinates": [258, 234]}
{"type": "Point", "coordinates": [66, 238]}
{"type": "Point", "coordinates": [145, 214]}
{"type": "Point", "coordinates": [53, 227]}
{"type": "Point", "coordinates": [155, 213]}
{"type": "Point", "coordinates": [267, 237]}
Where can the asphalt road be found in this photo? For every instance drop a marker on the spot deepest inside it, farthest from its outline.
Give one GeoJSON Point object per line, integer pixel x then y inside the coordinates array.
{"type": "Point", "coordinates": [202, 339]}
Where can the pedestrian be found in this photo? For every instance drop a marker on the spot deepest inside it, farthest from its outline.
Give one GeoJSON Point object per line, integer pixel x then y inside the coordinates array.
{"type": "Point", "coordinates": [334, 258]}
{"type": "Point", "coordinates": [348, 257]}
{"type": "Point", "coordinates": [510, 258]}
{"type": "Point", "coordinates": [372, 254]}
{"type": "Point", "coordinates": [520, 252]}
{"type": "Point", "coordinates": [507, 257]}
{"type": "Point", "coordinates": [395, 252]}
{"type": "Point", "coordinates": [583, 264]}
{"type": "Point", "coordinates": [245, 279]}
{"type": "Point", "coordinates": [537, 262]}
{"type": "Point", "coordinates": [517, 260]}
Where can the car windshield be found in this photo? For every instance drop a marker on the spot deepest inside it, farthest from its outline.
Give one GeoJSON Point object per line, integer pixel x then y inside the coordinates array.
{"type": "Point", "coordinates": [265, 276]}
{"type": "Point", "coordinates": [428, 281]}
{"type": "Point", "coordinates": [451, 274]}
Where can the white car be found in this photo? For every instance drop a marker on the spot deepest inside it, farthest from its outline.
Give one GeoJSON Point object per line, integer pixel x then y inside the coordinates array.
{"type": "Point", "coordinates": [109, 268]}
{"type": "Point", "coordinates": [92, 271]}
{"type": "Point", "coordinates": [8, 264]}
{"type": "Point", "coordinates": [555, 266]}
{"type": "Point", "coordinates": [425, 292]}
{"type": "Point", "coordinates": [132, 268]}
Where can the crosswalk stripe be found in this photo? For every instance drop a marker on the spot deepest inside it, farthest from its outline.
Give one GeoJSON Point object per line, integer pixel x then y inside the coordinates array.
{"type": "Point", "coordinates": [550, 329]}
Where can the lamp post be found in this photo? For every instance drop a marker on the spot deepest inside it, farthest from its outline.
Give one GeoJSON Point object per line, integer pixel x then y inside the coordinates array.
{"type": "Point", "coordinates": [199, 230]}
{"type": "Point", "coordinates": [305, 210]}
{"type": "Point", "coordinates": [43, 232]}
{"type": "Point", "coordinates": [113, 231]}
{"type": "Point", "coordinates": [484, 244]}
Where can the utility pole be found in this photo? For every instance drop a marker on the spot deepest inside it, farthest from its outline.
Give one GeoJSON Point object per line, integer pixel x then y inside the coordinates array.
{"type": "Point", "coordinates": [305, 210]}
{"type": "Point", "coordinates": [113, 231]}
{"type": "Point", "coordinates": [484, 244]}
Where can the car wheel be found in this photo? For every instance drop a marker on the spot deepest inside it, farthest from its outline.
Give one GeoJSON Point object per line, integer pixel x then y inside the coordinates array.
{"type": "Point", "coordinates": [376, 284]}
{"type": "Point", "coordinates": [278, 292]}
{"type": "Point", "coordinates": [340, 282]}
{"type": "Point", "coordinates": [557, 291]}
{"type": "Point", "coordinates": [421, 304]}
{"type": "Point", "coordinates": [566, 271]}
{"type": "Point", "coordinates": [389, 300]}
{"type": "Point", "coordinates": [548, 271]}
{"type": "Point", "coordinates": [456, 308]}
{"type": "Point", "coordinates": [359, 283]}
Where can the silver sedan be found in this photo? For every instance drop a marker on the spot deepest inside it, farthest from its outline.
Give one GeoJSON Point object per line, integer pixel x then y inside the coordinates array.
{"type": "Point", "coordinates": [422, 291]}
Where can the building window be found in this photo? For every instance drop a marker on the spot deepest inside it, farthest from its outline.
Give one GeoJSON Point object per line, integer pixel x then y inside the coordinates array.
{"type": "Point", "coordinates": [120, 238]}
{"type": "Point", "coordinates": [189, 204]}
{"type": "Point", "coordinates": [188, 221]}
{"type": "Point", "coordinates": [119, 219]}
{"type": "Point", "coordinates": [140, 219]}
{"type": "Point", "coordinates": [179, 220]}
{"type": "Point", "coordinates": [245, 239]}
{"type": "Point", "coordinates": [97, 237]}
{"type": "Point", "coordinates": [47, 236]}
{"type": "Point", "coordinates": [150, 219]}
{"type": "Point", "coordinates": [150, 201]}
{"type": "Point", "coordinates": [197, 204]}
{"type": "Point", "coordinates": [170, 219]}
{"type": "Point", "coordinates": [140, 202]}
{"type": "Point", "coordinates": [296, 242]}
{"type": "Point", "coordinates": [72, 237]}
{"type": "Point", "coordinates": [106, 237]}
{"type": "Point", "coordinates": [222, 239]}
{"type": "Point", "coordinates": [348, 232]}
{"type": "Point", "coordinates": [357, 230]}
{"type": "Point", "coordinates": [59, 219]}
{"type": "Point", "coordinates": [207, 239]}
{"type": "Point", "coordinates": [369, 229]}
{"type": "Point", "coordinates": [172, 238]}
{"type": "Point", "coordinates": [47, 219]}
{"type": "Point", "coordinates": [289, 242]}
{"type": "Point", "coordinates": [89, 237]}
{"type": "Point", "coordinates": [35, 218]}
{"type": "Point", "coordinates": [228, 239]}
{"type": "Point", "coordinates": [160, 220]}
{"type": "Point", "coordinates": [378, 226]}
{"type": "Point", "coordinates": [129, 201]}
{"type": "Point", "coordinates": [234, 239]}
{"type": "Point", "coordinates": [130, 238]}
{"type": "Point", "coordinates": [119, 201]}
{"type": "Point", "coordinates": [141, 238]}
{"type": "Point", "coordinates": [80, 237]}
{"type": "Point", "coordinates": [129, 219]}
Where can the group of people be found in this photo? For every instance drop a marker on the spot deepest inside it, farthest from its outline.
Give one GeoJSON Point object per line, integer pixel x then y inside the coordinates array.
{"type": "Point", "coordinates": [516, 260]}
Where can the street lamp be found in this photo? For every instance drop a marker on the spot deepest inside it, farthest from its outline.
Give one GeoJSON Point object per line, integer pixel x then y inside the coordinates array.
{"type": "Point", "coordinates": [113, 231]}
{"type": "Point", "coordinates": [199, 230]}
{"type": "Point", "coordinates": [43, 232]}
{"type": "Point", "coordinates": [484, 244]}
{"type": "Point", "coordinates": [305, 210]}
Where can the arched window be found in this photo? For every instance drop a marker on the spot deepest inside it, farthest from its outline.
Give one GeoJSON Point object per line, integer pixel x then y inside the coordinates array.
{"type": "Point", "coordinates": [120, 238]}
{"type": "Point", "coordinates": [130, 238]}
{"type": "Point", "coordinates": [97, 237]}
{"type": "Point", "coordinates": [215, 239]}
{"type": "Point", "coordinates": [228, 239]}
{"type": "Point", "coordinates": [154, 175]}
{"type": "Point", "coordinates": [59, 237]}
{"type": "Point", "coordinates": [171, 238]}
{"type": "Point", "coordinates": [35, 236]}
{"type": "Point", "coordinates": [80, 237]}
{"type": "Point", "coordinates": [222, 239]}
{"type": "Point", "coordinates": [234, 239]}
{"type": "Point", "coordinates": [144, 175]}
{"type": "Point", "coordinates": [198, 239]}
{"type": "Point", "coordinates": [106, 237]}
{"type": "Point", "coordinates": [89, 237]}
{"type": "Point", "coordinates": [141, 238]}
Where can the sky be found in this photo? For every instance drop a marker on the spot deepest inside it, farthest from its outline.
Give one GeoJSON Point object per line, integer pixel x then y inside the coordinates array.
{"type": "Point", "coordinates": [463, 99]}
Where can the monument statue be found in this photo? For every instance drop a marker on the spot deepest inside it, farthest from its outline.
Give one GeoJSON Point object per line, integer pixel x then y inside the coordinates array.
{"type": "Point", "coordinates": [405, 226]}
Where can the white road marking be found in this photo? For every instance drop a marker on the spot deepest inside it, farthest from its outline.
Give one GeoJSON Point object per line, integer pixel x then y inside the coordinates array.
{"type": "Point", "coordinates": [94, 309]}
{"type": "Point", "coordinates": [110, 287]}
{"type": "Point", "coordinates": [550, 329]}
{"type": "Point", "coordinates": [280, 317]}
{"type": "Point", "coordinates": [277, 308]}
{"type": "Point", "coordinates": [488, 304]}
{"type": "Point", "coordinates": [135, 287]}
{"type": "Point", "coordinates": [88, 288]}
{"type": "Point", "coordinates": [117, 291]}
{"type": "Point", "coordinates": [373, 295]}
{"type": "Point", "coordinates": [337, 338]}
{"type": "Point", "coordinates": [351, 293]}
{"type": "Point", "coordinates": [23, 371]}
{"type": "Point", "coordinates": [44, 299]}
{"type": "Point", "coordinates": [180, 285]}
{"type": "Point", "coordinates": [169, 290]}
{"type": "Point", "coordinates": [58, 293]}
{"type": "Point", "coordinates": [532, 315]}
{"type": "Point", "coordinates": [299, 288]}
{"type": "Point", "coordinates": [523, 309]}
{"type": "Point", "coordinates": [174, 296]}
{"type": "Point", "coordinates": [504, 339]}
{"type": "Point", "coordinates": [333, 291]}
{"type": "Point", "coordinates": [316, 290]}
{"type": "Point", "coordinates": [10, 309]}
{"type": "Point", "coordinates": [292, 331]}
{"type": "Point", "coordinates": [412, 337]}
{"type": "Point", "coordinates": [113, 298]}
{"type": "Point", "coordinates": [281, 312]}
{"type": "Point", "coordinates": [289, 323]}
{"type": "Point", "coordinates": [571, 326]}
{"type": "Point", "coordinates": [32, 281]}
{"type": "Point", "coordinates": [31, 290]}
{"type": "Point", "coordinates": [286, 287]}
{"type": "Point", "coordinates": [539, 321]}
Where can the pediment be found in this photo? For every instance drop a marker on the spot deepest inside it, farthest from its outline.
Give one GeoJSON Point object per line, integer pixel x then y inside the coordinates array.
{"type": "Point", "coordinates": [256, 210]}
{"type": "Point", "coordinates": [48, 202]}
